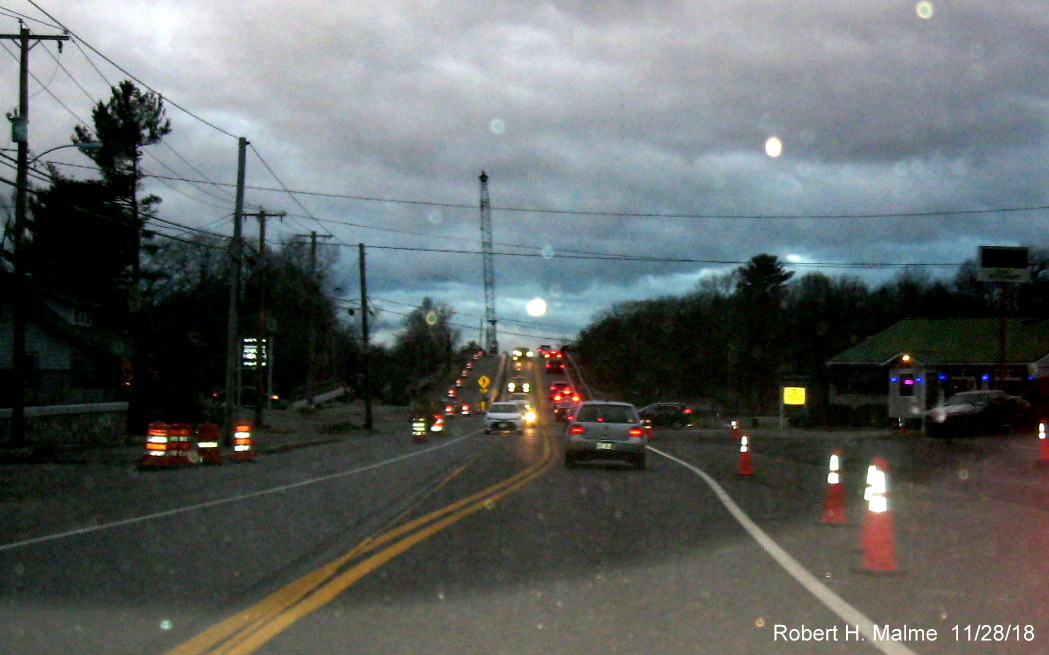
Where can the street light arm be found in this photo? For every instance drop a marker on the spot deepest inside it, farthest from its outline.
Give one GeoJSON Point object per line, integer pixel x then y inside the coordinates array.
{"type": "Point", "coordinates": [87, 147]}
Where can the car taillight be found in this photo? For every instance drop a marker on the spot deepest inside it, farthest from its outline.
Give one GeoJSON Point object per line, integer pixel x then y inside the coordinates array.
{"type": "Point", "coordinates": [576, 429]}
{"type": "Point", "coordinates": [688, 410]}
{"type": "Point", "coordinates": [637, 432]}
{"type": "Point", "coordinates": [575, 398]}
{"type": "Point", "coordinates": [557, 396]}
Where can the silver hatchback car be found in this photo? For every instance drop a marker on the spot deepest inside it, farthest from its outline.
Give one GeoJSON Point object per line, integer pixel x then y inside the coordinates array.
{"type": "Point", "coordinates": [504, 417]}
{"type": "Point", "coordinates": [605, 430]}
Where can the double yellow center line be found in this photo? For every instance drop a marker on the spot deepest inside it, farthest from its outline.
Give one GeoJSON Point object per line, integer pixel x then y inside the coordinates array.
{"type": "Point", "coordinates": [250, 629]}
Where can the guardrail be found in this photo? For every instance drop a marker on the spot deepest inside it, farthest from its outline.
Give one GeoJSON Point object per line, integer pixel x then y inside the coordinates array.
{"type": "Point", "coordinates": [66, 410]}
{"type": "Point", "coordinates": [497, 384]}
{"type": "Point", "coordinates": [578, 382]}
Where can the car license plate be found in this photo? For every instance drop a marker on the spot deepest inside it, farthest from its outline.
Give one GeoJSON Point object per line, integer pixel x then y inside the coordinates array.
{"type": "Point", "coordinates": [604, 445]}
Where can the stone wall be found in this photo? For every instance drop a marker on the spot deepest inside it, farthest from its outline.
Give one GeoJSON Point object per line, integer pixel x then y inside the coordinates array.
{"type": "Point", "coordinates": [101, 424]}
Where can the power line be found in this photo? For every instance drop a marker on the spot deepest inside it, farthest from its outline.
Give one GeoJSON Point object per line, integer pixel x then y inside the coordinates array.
{"type": "Point", "coordinates": [501, 319]}
{"type": "Point", "coordinates": [472, 327]}
{"type": "Point", "coordinates": [11, 13]}
{"type": "Point", "coordinates": [621, 214]}
{"type": "Point", "coordinates": [131, 75]}
{"type": "Point", "coordinates": [285, 188]}
{"type": "Point", "coordinates": [536, 253]}
{"type": "Point", "coordinates": [671, 260]}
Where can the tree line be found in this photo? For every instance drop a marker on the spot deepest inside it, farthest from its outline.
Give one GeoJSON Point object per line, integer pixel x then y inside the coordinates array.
{"type": "Point", "coordinates": [731, 341]}
{"type": "Point", "coordinates": [160, 301]}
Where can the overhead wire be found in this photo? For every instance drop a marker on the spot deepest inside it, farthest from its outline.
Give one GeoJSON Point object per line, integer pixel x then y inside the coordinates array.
{"type": "Point", "coordinates": [565, 254]}
{"type": "Point", "coordinates": [11, 13]}
{"type": "Point", "coordinates": [285, 188]}
{"type": "Point", "coordinates": [472, 327]}
{"type": "Point", "coordinates": [499, 319]}
{"type": "Point", "coordinates": [129, 74]}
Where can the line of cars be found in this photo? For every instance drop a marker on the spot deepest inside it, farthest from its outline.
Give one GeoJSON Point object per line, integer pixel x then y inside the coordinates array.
{"type": "Point", "coordinates": [594, 429]}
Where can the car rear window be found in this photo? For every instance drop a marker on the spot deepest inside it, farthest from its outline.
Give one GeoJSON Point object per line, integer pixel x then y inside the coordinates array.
{"type": "Point", "coordinates": [605, 414]}
{"type": "Point", "coordinates": [504, 408]}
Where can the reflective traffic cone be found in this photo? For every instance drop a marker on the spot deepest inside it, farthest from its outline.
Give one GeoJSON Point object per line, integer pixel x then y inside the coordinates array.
{"type": "Point", "coordinates": [157, 441]}
{"type": "Point", "coordinates": [243, 444]}
{"type": "Point", "coordinates": [744, 456]}
{"type": "Point", "coordinates": [1043, 457]}
{"type": "Point", "coordinates": [878, 540]}
{"type": "Point", "coordinates": [735, 430]}
{"type": "Point", "coordinates": [208, 446]}
{"type": "Point", "coordinates": [419, 429]}
{"type": "Point", "coordinates": [834, 503]}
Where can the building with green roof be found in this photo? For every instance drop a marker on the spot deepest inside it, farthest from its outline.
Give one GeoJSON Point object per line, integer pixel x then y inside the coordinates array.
{"type": "Point", "coordinates": [920, 361]}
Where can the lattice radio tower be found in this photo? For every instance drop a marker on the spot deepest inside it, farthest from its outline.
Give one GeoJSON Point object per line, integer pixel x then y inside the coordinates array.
{"type": "Point", "coordinates": [491, 344]}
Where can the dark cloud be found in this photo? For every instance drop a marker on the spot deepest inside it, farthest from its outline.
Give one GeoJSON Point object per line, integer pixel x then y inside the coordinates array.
{"type": "Point", "coordinates": [621, 107]}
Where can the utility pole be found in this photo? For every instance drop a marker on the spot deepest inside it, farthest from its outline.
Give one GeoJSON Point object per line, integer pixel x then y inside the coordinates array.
{"type": "Point", "coordinates": [263, 347]}
{"type": "Point", "coordinates": [491, 343]}
{"type": "Point", "coordinates": [364, 340]}
{"type": "Point", "coordinates": [232, 340]}
{"type": "Point", "coordinates": [20, 135]}
{"type": "Point", "coordinates": [311, 328]}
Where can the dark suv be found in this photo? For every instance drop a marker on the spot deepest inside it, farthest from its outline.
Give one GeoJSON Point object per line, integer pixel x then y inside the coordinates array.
{"type": "Point", "coordinates": [672, 415]}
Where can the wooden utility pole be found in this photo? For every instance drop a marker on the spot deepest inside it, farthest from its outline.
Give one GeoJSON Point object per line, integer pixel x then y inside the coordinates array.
{"type": "Point", "coordinates": [232, 340]}
{"type": "Point", "coordinates": [20, 135]}
{"type": "Point", "coordinates": [311, 317]}
{"type": "Point", "coordinates": [364, 339]}
{"type": "Point", "coordinates": [263, 345]}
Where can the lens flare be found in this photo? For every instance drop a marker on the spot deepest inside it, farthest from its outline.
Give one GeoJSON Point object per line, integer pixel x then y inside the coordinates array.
{"type": "Point", "coordinates": [536, 307]}
{"type": "Point", "coordinates": [431, 318]}
{"type": "Point", "coordinates": [497, 126]}
{"type": "Point", "coordinates": [924, 9]}
{"type": "Point", "coordinates": [773, 147]}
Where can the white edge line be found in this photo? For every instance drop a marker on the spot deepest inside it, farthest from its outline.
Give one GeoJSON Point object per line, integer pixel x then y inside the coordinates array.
{"type": "Point", "coordinates": [835, 603]}
{"type": "Point", "coordinates": [223, 501]}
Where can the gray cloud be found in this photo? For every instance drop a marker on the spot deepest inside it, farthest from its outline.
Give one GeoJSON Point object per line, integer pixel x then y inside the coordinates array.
{"type": "Point", "coordinates": [647, 108]}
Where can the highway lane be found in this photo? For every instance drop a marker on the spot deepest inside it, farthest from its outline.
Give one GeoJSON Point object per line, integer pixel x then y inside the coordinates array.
{"type": "Point", "coordinates": [138, 582]}
{"type": "Point", "coordinates": [581, 561]}
{"type": "Point", "coordinates": [595, 560]}
{"type": "Point", "coordinates": [482, 546]}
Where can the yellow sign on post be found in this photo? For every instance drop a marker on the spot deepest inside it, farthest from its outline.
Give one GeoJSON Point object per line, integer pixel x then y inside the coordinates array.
{"type": "Point", "coordinates": [793, 395]}
{"type": "Point", "coordinates": [483, 383]}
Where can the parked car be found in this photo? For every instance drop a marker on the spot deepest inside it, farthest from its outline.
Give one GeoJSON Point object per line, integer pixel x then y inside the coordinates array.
{"type": "Point", "coordinates": [976, 412]}
{"type": "Point", "coordinates": [504, 417]}
{"type": "Point", "coordinates": [605, 430]}
{"type": "Point", "coordinates": [666, 414]}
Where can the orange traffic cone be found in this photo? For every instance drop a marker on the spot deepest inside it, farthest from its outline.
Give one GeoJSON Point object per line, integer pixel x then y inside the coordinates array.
{"type": "Point", "coordinates": [834, 504]}
{"type": "Point", "coordinates": [878, 540]}
{"type": "Point", "coordinates": [744, 456]}
{"type": "Point", "coordinates": [157, 441]}
{"type": "Point", "coordinates": [208, 446]}
{"type": "Point", "coordinates": [243, 444]}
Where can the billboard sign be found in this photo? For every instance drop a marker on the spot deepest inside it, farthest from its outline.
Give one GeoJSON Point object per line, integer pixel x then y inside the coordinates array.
{"type": "Point", "coordinates": [1003, 264]}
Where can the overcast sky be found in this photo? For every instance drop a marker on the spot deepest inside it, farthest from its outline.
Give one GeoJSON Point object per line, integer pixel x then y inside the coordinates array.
{"type": "Point", "coordinates": [655, 113]}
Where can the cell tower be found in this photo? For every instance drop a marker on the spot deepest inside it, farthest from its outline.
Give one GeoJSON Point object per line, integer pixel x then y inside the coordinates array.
{"type": "Point", "coordinates": [491, 344]}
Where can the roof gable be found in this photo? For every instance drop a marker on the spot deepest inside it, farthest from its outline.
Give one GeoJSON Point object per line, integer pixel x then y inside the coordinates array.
{"type": "Point", "coordinates": [952, 341]}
